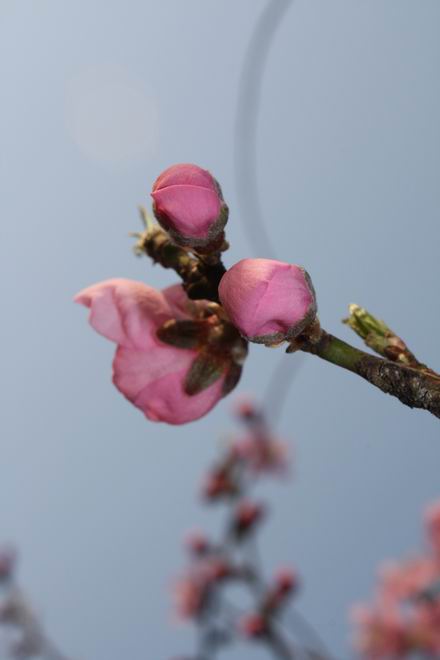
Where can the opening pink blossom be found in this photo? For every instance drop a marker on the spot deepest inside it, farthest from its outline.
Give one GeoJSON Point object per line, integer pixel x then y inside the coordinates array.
{"type": "Point", "coordinates": [148, 372]}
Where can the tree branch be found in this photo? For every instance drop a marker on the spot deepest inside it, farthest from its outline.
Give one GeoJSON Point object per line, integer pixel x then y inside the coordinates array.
{"type": "Point", "coordinates": [201, 274]}
{"type": "Point", "coordinates": [381, 339]}
{"type": "Point", "coordinates": [415, 387]}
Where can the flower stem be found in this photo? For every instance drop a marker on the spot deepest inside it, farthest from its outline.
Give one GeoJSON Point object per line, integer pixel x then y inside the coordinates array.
{"type": "Point", "coordinates": [201, 274]}
{"type": "Point", "coordinates": [378, 336]}
{"type": "Point", "coordinates": [413, 387]}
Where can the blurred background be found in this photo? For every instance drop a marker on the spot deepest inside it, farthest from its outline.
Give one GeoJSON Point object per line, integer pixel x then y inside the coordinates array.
{"type": "Point", "coordinates": [97, 99]}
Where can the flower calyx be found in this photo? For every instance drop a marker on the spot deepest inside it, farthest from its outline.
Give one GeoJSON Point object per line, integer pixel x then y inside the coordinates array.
{"type": "Point", "coordinates": [201, 274]}
{"type": "Point", "coordinates": [220, 349]}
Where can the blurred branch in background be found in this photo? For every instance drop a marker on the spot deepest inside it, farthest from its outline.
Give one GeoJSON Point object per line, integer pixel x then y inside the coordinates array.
{"type": "Point", "coordinates": [22, 634]}
{"type": "Point", "coordinates": [245, 161]}
{"type": "Point", "coordinates": [249, 97]}
{"type": "Point", "coordinates": [225, 593]}
{"type": "Point", "coordinates": [232, 564]}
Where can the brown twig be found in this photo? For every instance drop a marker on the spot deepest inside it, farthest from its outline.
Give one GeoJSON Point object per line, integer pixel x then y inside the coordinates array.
{"type": "Point", "coordinates": [200, 274]}
{"type": "Point", "coordinates": [415, 387]}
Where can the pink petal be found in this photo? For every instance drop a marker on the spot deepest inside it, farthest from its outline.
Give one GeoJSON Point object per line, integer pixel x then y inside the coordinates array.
{"type": "Point", "coordinates": [180, 305]}
{"type": "Point", "coordinates": [153, 381]}
{"type": "Point", "coordinates": [184, 173]}
{"type": "Point", "coordinates": [190, 210]}
{"type": "Point", "coordinates": [178, 301]}
{"type": "Point", "coordinates": [125, 311]}
{"type": "Point", "coordinates": [287, 298]}
{"type": "Point", "coordinates": [133, 369]}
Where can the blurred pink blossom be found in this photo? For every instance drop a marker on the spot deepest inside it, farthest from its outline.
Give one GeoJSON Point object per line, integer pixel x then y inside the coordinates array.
{"type": "Point", "coordinates": [432, 520]}
{"type": "Point", "coordinates": [192, 592]}
{"type": "Point", "coordinates": [262, 454]}
{"type": "Point", "coordinates": [253, 626]}
{"type": "Point", "coordinates": [246, 516]}
{"type": "Point", "coordinates": [406, 579]}
{"type": "Point", "coordinates": [198, 544]}
{"type": "Point", "coordinates": [381, 633]}
{"type": "Point", "coordinates": [246, 409]}
{"type": "Point", "coordinates": [404, 618]}
{"type": "Point", "coordinates": [223, 479]}
{"type": "Point", "coordinates": [284, 585]}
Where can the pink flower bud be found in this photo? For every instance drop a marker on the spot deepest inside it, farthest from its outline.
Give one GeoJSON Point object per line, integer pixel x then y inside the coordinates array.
{"type": "Point", "coordinates": [218, 484]}
{"type": "Point", "coordinates": [219, 570]}
{"type": "Point", "coordinates": [268, 301]}
{"type": "Point", "coordinates": [262, 454]}
{"type": "Point", "coordinates": [407, 579]}
{"type": "Point", "coordinates": [191, 596]}
{"type": "Point", "coordinates": [381, 633]}
{"type": "Point", "coordinates": [246, 410]}
{"type": "Point", "coordinates": [221, 481]}
{"type": "Point", "coordinates": [194, 590]}
{"type": "Point", "coordinates": [247, 516]}
{"type": "Point", "coordinates": [188, 203]}
{"type": "Point", "coordinates": [285, 584]}
{"type": "Point", "coordinates": [286, 581]}
{"type": "Point", "coordinates": [198, 544]}
{"type": "Point", "coordinates": [253, 626]}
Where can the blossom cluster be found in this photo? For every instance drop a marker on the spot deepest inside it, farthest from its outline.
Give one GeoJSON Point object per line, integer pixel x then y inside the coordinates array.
{"type": "Point", "coordinates": [180, 350]}
{"type": "Point", "coordinates": [404, 619]}
{"type": "Point", "coordinates": [202, 593]}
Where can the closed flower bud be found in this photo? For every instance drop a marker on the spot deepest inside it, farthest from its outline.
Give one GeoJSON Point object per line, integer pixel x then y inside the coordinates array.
{"type": "Point", "coordinates": [219, 483]}
{"type": "Point", "coordinates": [247, 516]}
{"type": "Point", "coordinates": [191, 595]}
{"type": "Point", "coordinates": [253, 626]}
{"type": "Point", "coordinates": [246, 410]}
{"type": "Point", "coordinates": [7, 563]}
{"type": "Point", "coordinates": [188, 203]}
{"type": "Point", "coordinates": [219, 570]}
{"type": "Point", "coordinates": [198, 544]}
{"type": "Point", "coordinates": [285, 584]}
{"type": "Point", "coordinates": [286, 581]}
{"type": "Point", "coordinates": [268, 301]}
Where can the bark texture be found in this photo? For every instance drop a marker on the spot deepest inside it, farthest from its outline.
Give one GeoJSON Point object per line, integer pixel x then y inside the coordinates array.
{"type": "Point", "coordinates": [416, 388]}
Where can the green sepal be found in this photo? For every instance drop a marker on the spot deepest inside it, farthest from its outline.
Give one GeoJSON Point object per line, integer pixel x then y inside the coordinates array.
{"type": "Point", "coordinates": [365, 324]}
{"type": "Point", "coordinates": [232, 377]}
{"type": "Point", "coordinates": [204, 371]}
{"type": "Point", "coordinates": [183, 334]}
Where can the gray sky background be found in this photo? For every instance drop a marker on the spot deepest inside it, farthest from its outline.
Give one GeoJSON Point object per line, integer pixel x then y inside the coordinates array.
{"type": "Point", "coordinates": [99, 97]}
